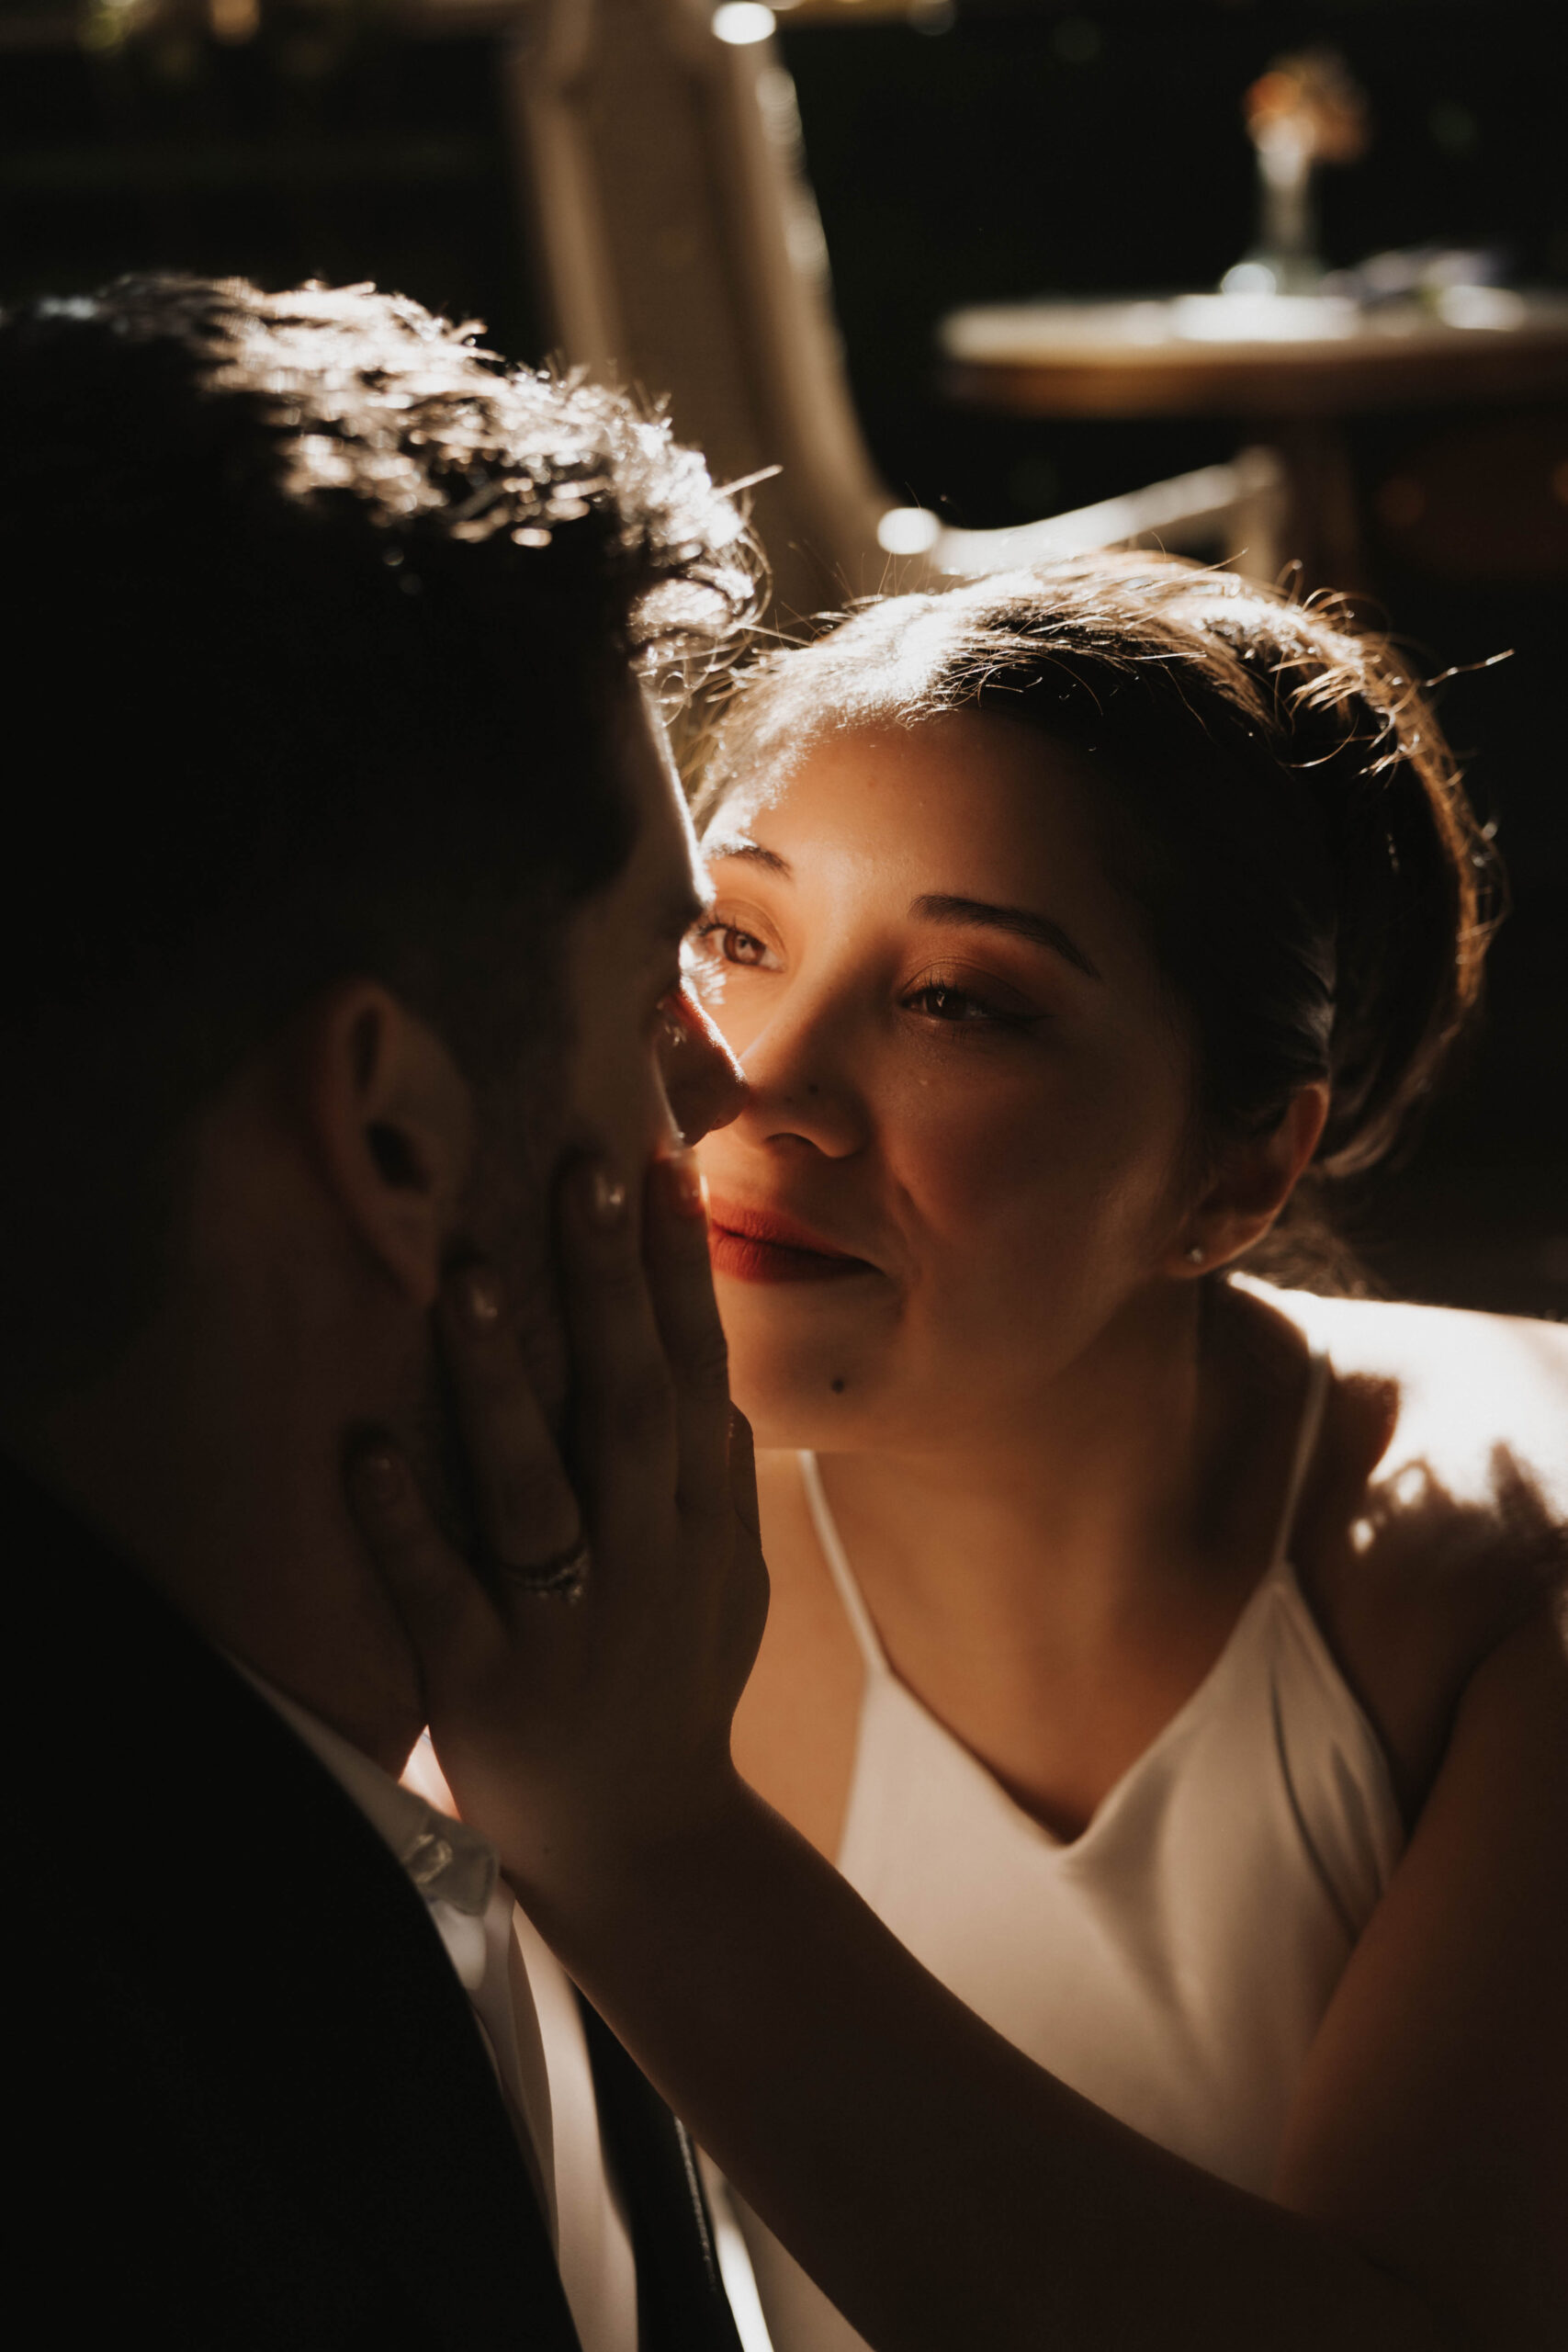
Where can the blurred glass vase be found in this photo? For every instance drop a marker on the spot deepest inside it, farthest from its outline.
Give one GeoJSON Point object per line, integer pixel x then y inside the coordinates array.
{"type": "Point", "coordinates": [1305, 110]}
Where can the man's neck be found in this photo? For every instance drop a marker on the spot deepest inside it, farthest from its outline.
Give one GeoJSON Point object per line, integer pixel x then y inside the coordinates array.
{"type": "Point", "coordinates": [223, 1488]}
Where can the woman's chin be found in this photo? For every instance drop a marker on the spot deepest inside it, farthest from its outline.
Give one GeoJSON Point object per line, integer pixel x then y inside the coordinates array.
{"type": "Point", "coordinates": [810, 1434]}
{"type": "Point", "coordinates": [823, 1402]}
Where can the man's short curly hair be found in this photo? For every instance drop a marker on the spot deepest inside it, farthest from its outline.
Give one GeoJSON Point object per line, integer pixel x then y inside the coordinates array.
{"type": "Point", "coordinates": [322, 624]}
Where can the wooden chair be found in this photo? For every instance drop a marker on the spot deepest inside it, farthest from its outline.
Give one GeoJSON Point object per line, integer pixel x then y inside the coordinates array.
{"type": "Point", "coordinates": [678, 248]}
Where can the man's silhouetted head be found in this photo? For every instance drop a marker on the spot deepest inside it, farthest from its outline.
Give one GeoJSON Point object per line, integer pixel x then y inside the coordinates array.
{"type": "Point", "coordinates": [323, 627]}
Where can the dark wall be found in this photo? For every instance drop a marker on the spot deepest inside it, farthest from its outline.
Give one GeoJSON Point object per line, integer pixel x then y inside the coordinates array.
{"type": "Point", "coordinates": [355, 156]}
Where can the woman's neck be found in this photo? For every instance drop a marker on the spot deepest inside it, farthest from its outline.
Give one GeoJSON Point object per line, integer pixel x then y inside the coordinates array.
{"type": "Point", "coordinates": [1143, 1481]}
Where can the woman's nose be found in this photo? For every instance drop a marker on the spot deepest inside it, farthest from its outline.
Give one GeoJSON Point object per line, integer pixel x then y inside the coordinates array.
{"type": "Point", "coordinates": [703, 1081]}
{"type": "Point", "coordinates": [801, 1081]}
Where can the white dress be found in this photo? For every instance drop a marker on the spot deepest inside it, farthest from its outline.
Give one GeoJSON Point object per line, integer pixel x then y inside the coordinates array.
{"type": "Point", "coordinates": [1173, 1962]}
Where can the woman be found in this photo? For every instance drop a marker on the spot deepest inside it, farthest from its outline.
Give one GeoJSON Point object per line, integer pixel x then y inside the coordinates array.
{"type": "Point", "coordinates": [1077, 937]}
{"type": "Point", "coordinates": [1169, 1662]}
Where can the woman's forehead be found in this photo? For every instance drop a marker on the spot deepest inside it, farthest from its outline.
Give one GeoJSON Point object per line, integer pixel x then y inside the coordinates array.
{"type": "Point", "coordinates": [959, 807]}
{"type": "Point", "coordinates": [961, 781]}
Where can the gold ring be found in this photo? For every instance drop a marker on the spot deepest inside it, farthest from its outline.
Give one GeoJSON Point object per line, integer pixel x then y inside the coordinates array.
{"type": "Point", "coordinates": [563, 1576]}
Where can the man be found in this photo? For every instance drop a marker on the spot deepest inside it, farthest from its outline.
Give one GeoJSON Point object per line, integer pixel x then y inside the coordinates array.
{"type": "Point", "coordinates": [345, 895]}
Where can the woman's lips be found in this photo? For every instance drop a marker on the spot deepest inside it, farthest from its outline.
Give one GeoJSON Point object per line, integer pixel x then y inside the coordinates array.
{"type": "Point", "coordinates": [756, 1246]}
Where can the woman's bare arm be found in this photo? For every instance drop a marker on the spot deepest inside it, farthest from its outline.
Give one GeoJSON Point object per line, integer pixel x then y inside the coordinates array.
{"type": "Point", "coordinates": [1432, 2122]}
{"type": "Point", "coordinates": [941, 2188]}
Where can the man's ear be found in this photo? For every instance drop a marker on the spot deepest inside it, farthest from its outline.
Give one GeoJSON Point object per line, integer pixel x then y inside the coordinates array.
{"type": "Point", "coordinates": [1250, 1184]}
{"type": "Point", "coordinates": [391, 1119]}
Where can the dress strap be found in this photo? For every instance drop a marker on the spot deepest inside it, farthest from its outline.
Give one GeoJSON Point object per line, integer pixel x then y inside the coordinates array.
{"type": "Point", "coordinates": [839, 1567]}
{"type": "Point", "coordinates": [1306, 1445]}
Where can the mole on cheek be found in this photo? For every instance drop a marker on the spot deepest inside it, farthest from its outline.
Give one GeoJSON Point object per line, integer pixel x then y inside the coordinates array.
{"type": "Point", "coordinates": [837, 1386]}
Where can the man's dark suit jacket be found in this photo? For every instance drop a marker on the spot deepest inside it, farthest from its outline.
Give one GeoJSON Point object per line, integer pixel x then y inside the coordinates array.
{"type": "Point", "coordinates": [249, 2103]}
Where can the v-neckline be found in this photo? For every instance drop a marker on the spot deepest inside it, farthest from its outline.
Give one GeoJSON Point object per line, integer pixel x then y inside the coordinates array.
{"type": "Point", "coordinates": [1196, 1701]}
{"type": "Point", "coordinates": [1278, 1576]}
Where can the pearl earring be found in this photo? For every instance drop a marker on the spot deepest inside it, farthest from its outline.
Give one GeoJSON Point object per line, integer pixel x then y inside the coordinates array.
{"type": "Point", "coordinates": [1196, 1254]}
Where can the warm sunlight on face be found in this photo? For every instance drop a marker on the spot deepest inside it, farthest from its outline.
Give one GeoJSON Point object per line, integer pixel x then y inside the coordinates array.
{"type": "Point", "coordinates": [960, 1164]}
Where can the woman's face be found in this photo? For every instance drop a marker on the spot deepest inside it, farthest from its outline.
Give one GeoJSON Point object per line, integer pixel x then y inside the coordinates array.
{"type": "Point", "coordinates": [959, 1168]}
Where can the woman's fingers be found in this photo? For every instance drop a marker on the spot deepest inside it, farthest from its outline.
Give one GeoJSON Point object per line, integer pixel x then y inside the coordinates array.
{"type": "Point", "coordinates": [652, 1481]}
{"type": "Point", "coordinates": [743, 1474]}
{"type": "Point", "coordinates": [749, 1585]}
{"type": "Point", "coordinates": [625, 1424]}
{"type": "Point", "coordinates": [449, 1620]}
{"type": "Point", "coordinates": [528, 1513]}
{"type": "Point", "coordinates": [558, 1726]}
{"type": "Point", "coordinates": [679, 1281]}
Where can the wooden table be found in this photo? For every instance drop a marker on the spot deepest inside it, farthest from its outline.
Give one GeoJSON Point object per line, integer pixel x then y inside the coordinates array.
{"type": "Point", "coordinates": [1288, 369]}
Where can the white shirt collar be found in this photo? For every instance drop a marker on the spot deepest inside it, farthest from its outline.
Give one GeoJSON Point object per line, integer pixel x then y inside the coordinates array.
{"type": "Point", "coordinates": [447, 1861]}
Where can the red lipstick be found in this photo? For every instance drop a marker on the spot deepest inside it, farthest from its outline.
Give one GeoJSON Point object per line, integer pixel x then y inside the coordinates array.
{"type": "Point", "coordinates": [760, 1245]}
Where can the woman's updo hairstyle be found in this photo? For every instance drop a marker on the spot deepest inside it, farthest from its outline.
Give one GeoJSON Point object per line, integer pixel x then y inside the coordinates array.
{"type": "Point", "coordinates": [1272, 792]}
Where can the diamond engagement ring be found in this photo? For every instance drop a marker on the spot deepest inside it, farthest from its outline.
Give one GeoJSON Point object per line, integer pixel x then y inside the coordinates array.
{"type": "Point", "coordinates": [563, 1576]}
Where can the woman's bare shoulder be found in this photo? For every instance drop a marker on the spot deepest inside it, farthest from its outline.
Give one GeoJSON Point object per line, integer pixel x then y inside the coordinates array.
{"type": "Point", "coordinates": [1457, 1386]}
{"type": "Point", "coordinates": [1436, 1518]}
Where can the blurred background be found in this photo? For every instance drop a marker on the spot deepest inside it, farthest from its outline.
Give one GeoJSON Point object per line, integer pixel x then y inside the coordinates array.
{"type": "Point", "coordinates": [1274, 281]}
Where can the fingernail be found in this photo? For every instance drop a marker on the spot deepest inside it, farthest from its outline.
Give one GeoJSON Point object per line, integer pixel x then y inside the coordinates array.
{"type": "Point", "coordinates": [604, 1196]}
{"type": "Point", "coordinates": [380, 1473]}
{"type": "Point", "coordinates": [685, 1186]}
{"type": "Point", "coordinates": [481, 1294]}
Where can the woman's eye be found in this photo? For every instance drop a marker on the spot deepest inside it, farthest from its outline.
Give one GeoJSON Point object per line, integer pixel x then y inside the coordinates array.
{"type": "Point", "coordinates": [728, 943]}
{"type": "Point", "coordinates": [939, 1002]}
{"type": "Point", "coordinates": [945, 1001]}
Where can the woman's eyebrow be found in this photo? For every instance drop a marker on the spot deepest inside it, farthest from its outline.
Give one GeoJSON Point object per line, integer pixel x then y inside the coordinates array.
{"type": "Point", "coordinates": [742, 845]}
{"type": "Point", "coordinates": [1020, 921]}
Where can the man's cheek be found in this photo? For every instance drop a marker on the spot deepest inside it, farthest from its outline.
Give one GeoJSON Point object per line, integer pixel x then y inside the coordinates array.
{"type": "Point", "coordinates": [642, 1115]}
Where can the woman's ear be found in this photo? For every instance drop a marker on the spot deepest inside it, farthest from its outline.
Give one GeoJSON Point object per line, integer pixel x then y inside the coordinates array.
{"type": "Point", "coordinates": [1250, 1185]}
{"type": "Point", "coordinates": [391, 1119]}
